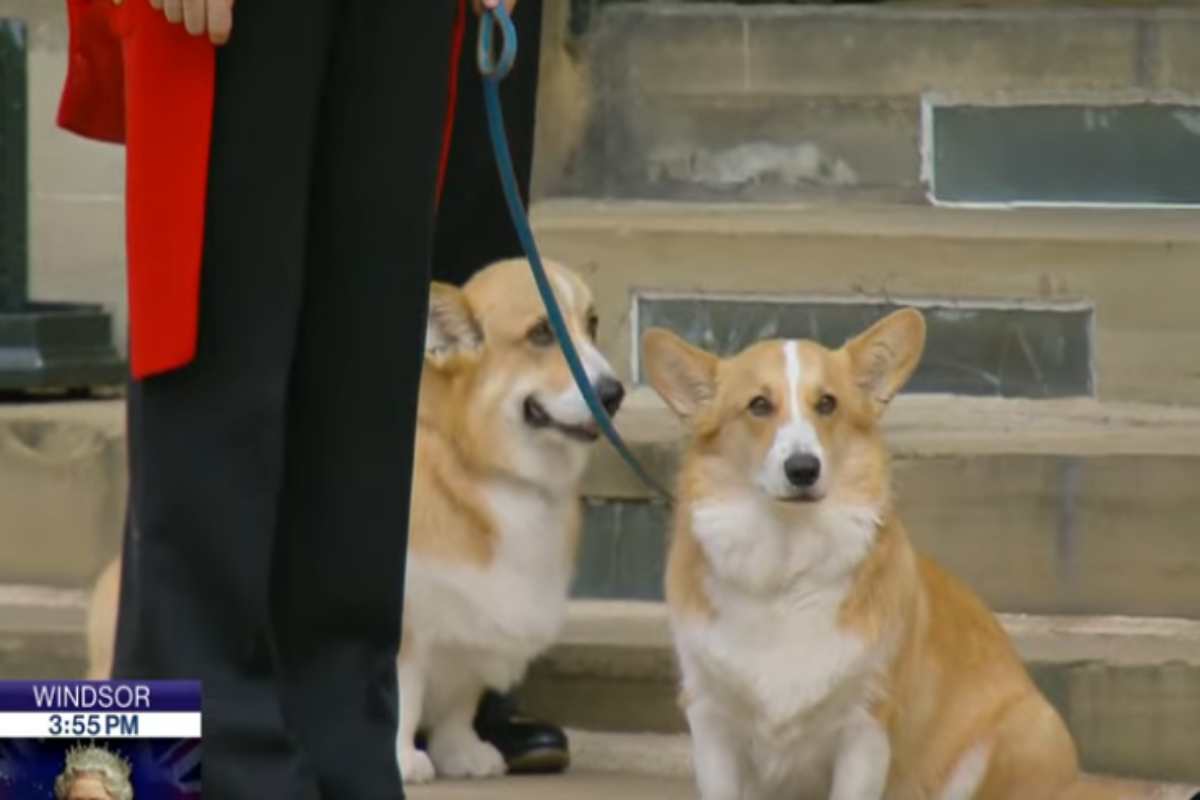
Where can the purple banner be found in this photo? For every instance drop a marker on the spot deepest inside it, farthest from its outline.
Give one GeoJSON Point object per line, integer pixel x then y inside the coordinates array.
{"type": "Point", "coordinates": [101, 696]}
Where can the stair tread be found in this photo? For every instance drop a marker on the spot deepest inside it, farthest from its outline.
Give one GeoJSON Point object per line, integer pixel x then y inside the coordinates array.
{"type": "Point", "coordinates": [41, 610]}
{"type": "Point", "coordinates": [669, 756]}
{"type": "Point", "coordinates": [870, 220]}
{"type": "Point", "coordinates": [917, 425]}
{"type": "Point", "coordinates": [107, 415]}
{"type": "Point", "coordinates": [922, 10]}
{"type": "Point", "coordinates": [1114, 640]}
{"type": "Point", "coordinates": [578, 784]}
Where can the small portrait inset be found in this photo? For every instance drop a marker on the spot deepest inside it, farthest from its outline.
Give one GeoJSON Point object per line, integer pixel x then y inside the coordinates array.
{"type": "Point", "coordinates": [93, 773]}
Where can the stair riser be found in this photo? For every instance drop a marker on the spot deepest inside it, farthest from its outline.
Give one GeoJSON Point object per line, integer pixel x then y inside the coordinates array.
{"type": "Point", "coordinates": [974, 349]}
{"type": "Point", "coordinates": [62, 491]}
{"type": "Point", "coordinates": [812, 51]}
{"type": "Point", "coordinates": [1030, 533]}
{"type": "Point", "coordinates": [675, 89]}
{"type": "Point", "coordinates": [42, 656]}
{"type": "Point", "coordinates": [1145, 333]}
{"type": "Point", "coordinates": [746, 147]}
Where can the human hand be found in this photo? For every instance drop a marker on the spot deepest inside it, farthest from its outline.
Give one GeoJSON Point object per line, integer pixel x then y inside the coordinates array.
{"type": "Point", "coordinates": [486, 5]}
{"type": "Point", "coordinates": [214, 17]}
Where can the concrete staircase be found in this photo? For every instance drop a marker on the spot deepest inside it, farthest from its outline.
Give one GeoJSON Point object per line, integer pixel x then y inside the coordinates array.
{"type": "Point", "coordinates": [735, 170]}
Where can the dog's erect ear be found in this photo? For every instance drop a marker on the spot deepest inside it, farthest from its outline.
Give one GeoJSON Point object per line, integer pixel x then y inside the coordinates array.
{"type": "Point", "coordinates": [684, 376]}
{"type": "Point", "coordinates": [885, 355]}
{"type": "Point", "coordinates": [452, 329]}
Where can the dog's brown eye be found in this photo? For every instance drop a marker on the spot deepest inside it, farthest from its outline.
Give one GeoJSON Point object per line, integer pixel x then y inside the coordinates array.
{"type": "Point", "coordinates": [540, 335]}
{"type": "Point", "coordinates": [593, 325]}
{"type": "Point", "coordinates": [826, 405]}
{"type": "Point", "coordinates": [760, 406]}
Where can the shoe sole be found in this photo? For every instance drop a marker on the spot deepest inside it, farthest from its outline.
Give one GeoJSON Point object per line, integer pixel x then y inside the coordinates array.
{"type": "Point", "coordinates": [545, 761]}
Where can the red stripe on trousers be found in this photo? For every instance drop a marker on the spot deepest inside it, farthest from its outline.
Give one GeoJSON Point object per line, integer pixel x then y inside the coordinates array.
{"type": "Point", "coordinates": [456, 46]}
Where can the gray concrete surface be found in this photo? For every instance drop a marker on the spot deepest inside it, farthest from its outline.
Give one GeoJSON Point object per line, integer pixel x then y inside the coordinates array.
{"type": "Point", "coordinates": [62, 490]}
{"type": "Point", "coordinates": [601, 786]}
{"type": "Point", "coordinates": [573, 786]}
{"type": "Point", "coordinates": [725, 101]}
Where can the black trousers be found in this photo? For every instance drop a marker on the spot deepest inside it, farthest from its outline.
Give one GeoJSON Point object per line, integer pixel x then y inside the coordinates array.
{"type": "Point", "coordinates": [270, 478]}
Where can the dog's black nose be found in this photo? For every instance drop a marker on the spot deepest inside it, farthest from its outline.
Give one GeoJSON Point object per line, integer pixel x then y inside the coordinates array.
{"type": "Point", "coordinates": [611, 393]}
{"type": "Point", "coordinates": [802, 470]}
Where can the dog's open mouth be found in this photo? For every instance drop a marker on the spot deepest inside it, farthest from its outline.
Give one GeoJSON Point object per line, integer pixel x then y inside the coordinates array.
{"type": "Point", "coordinates": [536, 416]}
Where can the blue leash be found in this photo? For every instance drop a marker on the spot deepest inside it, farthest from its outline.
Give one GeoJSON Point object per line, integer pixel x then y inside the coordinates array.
{"type": "Point", "coordinates": [494, 70]}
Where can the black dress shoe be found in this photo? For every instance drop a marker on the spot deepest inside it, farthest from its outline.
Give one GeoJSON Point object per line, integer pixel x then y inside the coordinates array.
{"type": "Point", "coordinates": [528, 745]}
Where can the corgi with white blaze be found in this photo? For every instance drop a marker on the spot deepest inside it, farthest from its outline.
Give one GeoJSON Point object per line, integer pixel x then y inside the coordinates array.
{"type": "Point", "coordinates": [502, 441]}
{"type": "Point", "coordinates": [821, 657]}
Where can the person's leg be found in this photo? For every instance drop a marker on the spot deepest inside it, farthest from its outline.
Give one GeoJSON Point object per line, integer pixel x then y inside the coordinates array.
{"type": "Point", "coordinates": [474, 230]}
{"type": "Point", "coordinates": [473, 226]}
{"type": "Point", "coordinates": [338, 585]}
{"type": "Point", "coordinates": [206, 441]}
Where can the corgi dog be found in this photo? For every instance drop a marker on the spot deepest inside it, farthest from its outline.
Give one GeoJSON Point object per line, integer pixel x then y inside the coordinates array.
{"type": "Point", "coordinates": [503, 437]}
{"type": "Point", "coordinates": [820, 656]}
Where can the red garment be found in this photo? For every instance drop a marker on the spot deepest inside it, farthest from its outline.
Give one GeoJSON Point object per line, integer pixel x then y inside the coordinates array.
{"type": "Point", "coordinates": [135, 78]}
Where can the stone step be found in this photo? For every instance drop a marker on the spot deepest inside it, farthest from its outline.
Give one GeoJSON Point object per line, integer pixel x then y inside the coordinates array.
{"type": "Point", "coordinates": [576, 785]}
{"type": "Point", "coordinates": [709, 101]}
{"type": "Point", "coordinates": [669, 756]}
{"type": "Point", "coordinates": [1134, 270]}
{"type": "Point", "coordinates": [643, 766]}
{"type": "Point", "coordinates": [1042, 506]}
{"type": "Point", "coordinates": [42, 632]}
{"type": "Point", "coordinates": [1129, 689]}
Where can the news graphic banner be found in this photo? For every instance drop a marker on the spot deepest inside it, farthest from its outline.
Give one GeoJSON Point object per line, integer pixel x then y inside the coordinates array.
{"type": "Point", "coordinates": [140, 735]}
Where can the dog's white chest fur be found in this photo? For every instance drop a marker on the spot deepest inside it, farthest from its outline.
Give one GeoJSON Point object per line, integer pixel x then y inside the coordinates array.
{"type": "Point", "coordinates": [505, 613]}
{"type": "Point", "coordinates": [773, 674]}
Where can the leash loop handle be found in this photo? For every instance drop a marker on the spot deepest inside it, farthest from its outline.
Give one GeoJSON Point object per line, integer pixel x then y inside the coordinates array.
{"type": "Point", "coordinates": [491, 66]}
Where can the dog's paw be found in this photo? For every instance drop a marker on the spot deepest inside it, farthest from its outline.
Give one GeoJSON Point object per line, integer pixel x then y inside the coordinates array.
{"type": "Point", "coordinates": [468, 758]}
{"type": "Point", "coordinates": [415, 766]}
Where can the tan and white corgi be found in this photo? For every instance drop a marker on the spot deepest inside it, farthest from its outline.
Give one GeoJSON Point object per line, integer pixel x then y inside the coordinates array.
{"type": "Point", "coordinates": [821, 657]}
{"type": "Point", "coordinates": [502, 441]}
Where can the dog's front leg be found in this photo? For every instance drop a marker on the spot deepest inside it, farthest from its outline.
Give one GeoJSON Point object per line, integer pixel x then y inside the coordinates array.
{"type": "Point", "coordinates": [864, 757]}
{"type": "Point", "coordinates": [456, 750]}
{"type": "Point", "coordinates": [715, 757]}
{"type": "Point", "coordinates": [415, 766]}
